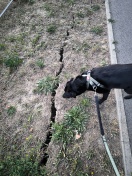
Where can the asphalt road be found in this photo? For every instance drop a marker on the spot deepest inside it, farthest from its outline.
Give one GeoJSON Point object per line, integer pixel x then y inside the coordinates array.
{"type": "Point", "coordinates": [121, 13]}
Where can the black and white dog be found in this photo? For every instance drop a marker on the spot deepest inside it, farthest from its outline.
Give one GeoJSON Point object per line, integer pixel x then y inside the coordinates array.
{"type": "Point", "coordinates": [101, 79]}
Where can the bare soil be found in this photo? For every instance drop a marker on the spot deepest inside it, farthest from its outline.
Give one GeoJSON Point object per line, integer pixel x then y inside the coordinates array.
{"type": "Point", "coordinates": [24, 30]}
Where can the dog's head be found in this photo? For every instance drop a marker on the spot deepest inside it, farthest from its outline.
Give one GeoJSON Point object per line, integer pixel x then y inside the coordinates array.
{"type": "Point", "coordinates": [75, 87]}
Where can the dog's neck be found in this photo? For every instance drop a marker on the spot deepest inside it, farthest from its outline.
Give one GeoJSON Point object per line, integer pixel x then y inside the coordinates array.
{"type": "Point", "coordinates": [91, 82]}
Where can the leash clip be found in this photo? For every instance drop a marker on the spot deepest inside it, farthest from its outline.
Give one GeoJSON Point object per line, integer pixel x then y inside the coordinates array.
{"type": "Point", "coordinates": [95, 88]}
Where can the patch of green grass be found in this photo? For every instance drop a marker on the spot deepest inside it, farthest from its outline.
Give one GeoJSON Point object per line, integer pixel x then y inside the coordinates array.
{"type": "Point", "coordinates": [89, 12]}
{"type": "Point", "coordinates": [12, 61]}
{"type": "Point", "coordinates": [21, 166]}
{"type": "Point", "coordinates": [2, 47]}
{"type": "Point", "coordinates": [49, 9]}
{"type": "Point", "coordinates": [80, 15]}
{"type": "Point", "coordinates": [51, 29]}
{"type": "Point", "coordinates": [70, 2]}
{"type": "Point", "coordinates": [95, 7]}
{"type": "Point", "coordinates": [74, 120]}
{"type": "Point", "coordinates": [103, 62]}
{"type": "Point", "coordinates": [84, 47]}
{"type": "Point", "coordinates": [65, 135]}
{"type": "Point", "coordinates": [90, 154]}
{"type": "Point", "coordinates": [98, 30]}
{"type": "Point", "coordinates": [85, 102]}
{"type": "Point", "coordinates": [47, 85]}
{"type": "Point", "coordinates": [35, 40]}
{"type": "Point", "coordinates": [42, 45]}
{"type": "Point", "coordinates": [11, 110]}
{"type": "Point", "coordinates": [40, 63]}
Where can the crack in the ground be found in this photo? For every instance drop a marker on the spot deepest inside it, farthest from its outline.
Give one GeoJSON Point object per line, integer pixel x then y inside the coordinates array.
{"type": "Point", "coordinates": [61, 53]}
{"type": "Point", "coordinates": [45, 145]}
{"type": "Point", "coordinates": [73, 22]}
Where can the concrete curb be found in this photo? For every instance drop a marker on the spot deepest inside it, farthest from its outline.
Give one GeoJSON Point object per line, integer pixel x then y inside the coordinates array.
{"type": "Point", "coordinates": [124, 138]}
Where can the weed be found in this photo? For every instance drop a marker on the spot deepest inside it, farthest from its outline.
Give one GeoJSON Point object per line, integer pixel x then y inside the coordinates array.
{"type": "Point", "coordinates": [111, 20]}
{"type": "Point", "coordinates": [115, 42]}
{"type": "Point", "coordinates": [12, 38]}
{"type": "Point", "coordinates": [80, 15]}
{"type": "Point", "coordinates": [85, 102]}
{"type": "Point", "coordinates": [42, 45]}
{"type": "Point", "coordinates": [82, 47]}
{"type": "Point", "coordinates": [40, 63]}
{"type": "Point", "coordinates": [11, 110]}
{"type": "Point", "coordinates": [2, 47]}
{"type": "Point", "coordinates": [35, 40]}
{"type": "Point", "coordinates": [85, 46]}
{"type": "Point", "coordinates": [74, 120]}
{"type": "Point", "coordinates": [47, 85]}
{"type": "Point", "coordinates": [95, 7]}
{"type": "Point", "coordinates": [89, 12]}
{"type": "Point", "coordinates": [90, 154]}
{"type": "Point", "coordinates": [21, 166]}
{"type": "Point", "coordinates": [96, 48]}
{"type": "Point", "coordinates": [47, 7]}
{"type": "Point", "coordinates": [97, 30]}
{"type": "Point", "coordinates": [103, 62]}
{"type": "Point", "coordinates": [70, 2]}
{"type": "Point", "coordinates": [49, 10]}
{"type": "Point", "coordinates": [51, 29]}
{"type": "Point", "coordinates": [13, 62]}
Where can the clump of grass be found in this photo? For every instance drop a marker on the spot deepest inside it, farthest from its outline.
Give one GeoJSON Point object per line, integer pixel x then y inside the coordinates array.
{"type": "Point", "coordinates": [13, 62]}
{"type": "Point", "coordinates": [47, 85]}
{"type": "Point", "coordinates": [103, 62]}
{"type": "Point", "coordinates": [35, 40]}
{"type": "Point", "coordinates": [51, 29]}
{"type": "Point", "coordinates": [85, 102]}
{"type": "Point", "coordinates": [49, 10]}
{"type": "Point", "coordinates": [97, 30]}
{"type": "Point", "coordinates": [40, 63]}
{"type": "Point", "coordinates": [2, 47]}
{"type": "Point", "coordinates": [47, 7]}
{"type": "Point", "coordinates": [95, 7]}
{"type": "Point", "coordinates": [89, 12]}
{"type": "Point", "coordinates": [84, 47]}
{"type": "Point", "coordinates": [66, 133]}
{"type": "Point", "coordinates": [80, 15]}
{"type": "Point", "coordinates": [11, 110]}
{"type": "Point", "coordinates": [74, 120]}
{"type": "Point", "coordinates": [70, 2]}
{"type": "Point", "coordinates": [21, 166]}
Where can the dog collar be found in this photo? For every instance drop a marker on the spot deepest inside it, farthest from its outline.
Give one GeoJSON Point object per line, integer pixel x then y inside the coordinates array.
{"type": "Point", "coordinates": [91, 81]}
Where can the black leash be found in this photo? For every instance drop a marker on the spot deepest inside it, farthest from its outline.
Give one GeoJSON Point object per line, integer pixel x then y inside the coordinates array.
{"type": "Point", "coordinates": [103, 136]}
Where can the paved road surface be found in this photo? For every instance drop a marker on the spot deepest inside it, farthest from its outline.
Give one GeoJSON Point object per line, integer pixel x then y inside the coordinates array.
{"type": "Point", "coordinates": [121, 12]}
{"type": "Point", "coordinates": [121, 31]}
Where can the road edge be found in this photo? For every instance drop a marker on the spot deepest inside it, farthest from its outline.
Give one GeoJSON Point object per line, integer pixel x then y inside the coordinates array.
{"type": "Point", "coordinates": [124, 138]}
